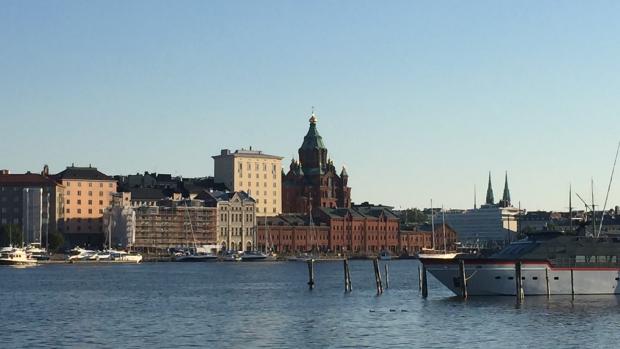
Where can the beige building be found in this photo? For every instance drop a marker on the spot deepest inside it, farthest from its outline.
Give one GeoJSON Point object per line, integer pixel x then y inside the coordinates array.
{"type": "Point", "coordinates": [236, 219]}
{"type": "Point", "coordinates": [88, 193]}
{"type": "Point", "coordinates": [256, 173]}
{"type": "Point", "coordinates": [175, 224]}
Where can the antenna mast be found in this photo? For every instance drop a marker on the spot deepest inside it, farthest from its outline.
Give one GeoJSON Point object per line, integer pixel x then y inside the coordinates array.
{"type": "Point", "coordinates": [611, 178]}
{"type": "Point", "coordinates": [433, 224]}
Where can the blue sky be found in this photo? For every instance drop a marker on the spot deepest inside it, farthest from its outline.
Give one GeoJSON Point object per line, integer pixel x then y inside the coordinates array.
{"type": "Point", "coordinates": [418, 99]}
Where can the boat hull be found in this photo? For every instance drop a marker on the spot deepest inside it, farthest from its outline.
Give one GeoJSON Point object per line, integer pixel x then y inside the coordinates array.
{"type": "Point", "coordinates": [195, 258]}
{"type": "Point", "coordinates": [17, 262]}
{"type": "Point", "coordinates": [497, 278]}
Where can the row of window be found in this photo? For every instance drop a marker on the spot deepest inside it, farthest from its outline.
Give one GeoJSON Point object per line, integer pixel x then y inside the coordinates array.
{"type": "Point", "coordinates": [90, 202]}
{"type": "Point", "coordinates": [79, 193]}
{"type": "Point", "coordinates": [90, 184]}
{"type": "Point", "coordinates": [258, 185]}
{"type": "Point", "coordinates": [79, 211]}
{"type": "Point", "coordinates": [256, 167]}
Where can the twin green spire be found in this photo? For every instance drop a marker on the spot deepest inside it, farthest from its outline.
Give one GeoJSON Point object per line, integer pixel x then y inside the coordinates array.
{"type": "Point", "coordinates": [505, 202]}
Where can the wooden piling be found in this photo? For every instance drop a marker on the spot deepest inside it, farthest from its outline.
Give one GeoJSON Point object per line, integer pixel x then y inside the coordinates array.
{"type": "Point", "coordinates": [519, 282]}
{"type": "Point", "coordinates": [387, 276]}
{"type": "Point", "coordinates": [419, 279]}
{"type": "Point", "coordinates": [572, 283]}
{"type": "Point", "coordinates": [463, 279]}
{"type": "Point", "coordinates": [311, 274]}
{"type": "Point", "coordinates": [547, 280]}
{"type": "Point", "coordinates": [378, 281]}
{"type": "Point", "coordinates": [347, 276]}
{"type": "Point", "coordinates": [424, 282]}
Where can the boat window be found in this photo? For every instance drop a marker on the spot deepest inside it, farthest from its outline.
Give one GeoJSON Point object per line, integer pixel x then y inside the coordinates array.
{"type": "Point", "coordinates": [535, 278]}
{"type": "Point", "coordinates": [498, 277]}
{"type": "Point", "coordinates": [556, 278]}
{"type": "Point", "coordinates": [511, 278]}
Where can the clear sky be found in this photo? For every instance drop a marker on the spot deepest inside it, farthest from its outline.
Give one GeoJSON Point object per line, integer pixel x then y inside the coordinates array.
{"type": "Point", "coordinates": [418, 99]}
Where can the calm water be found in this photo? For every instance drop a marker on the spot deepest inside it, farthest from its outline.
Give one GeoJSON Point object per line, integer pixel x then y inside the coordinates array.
{"type": "Point", "coordinates": [260, 305]}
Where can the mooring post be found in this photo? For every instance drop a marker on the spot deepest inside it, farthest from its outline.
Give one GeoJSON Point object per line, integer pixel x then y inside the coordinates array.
{"type": "Point", "coordinates": [424, 282]}
{"type": "Point", "coordinates": [572, 284]}
{"type": "Point", "coordinates": [347, 276]}
{"type": "Point", "coordinates": [463, 279]}
{"type": "Point", "coordinates": [547, 280]}
{"type": "Point", "coordinates": [377, 276]}
{"type": "Point", "coordinates": [519, 282]}
{"type": "Point", "coordinates": [419, 279]}
{"type": "Point", "coordinates": [311, 273]}
{"type": "Point", "coordinates": [387, 276]}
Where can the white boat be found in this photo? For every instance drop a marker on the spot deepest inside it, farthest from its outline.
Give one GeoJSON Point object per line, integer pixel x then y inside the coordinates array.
{"type": "Point", "coordinates": [127, 257]}
{"type": "Point", "coordinates": [80, 254]}
{"type": "Point", "coordinates": [35, 251]}
{"type": "Point", "coordinates": [550, 263]}
{"type": "Point", "coordinates": [231, 257]}
{"type": "Point", "coordinates": [15, 256]}
{"type": "Point", "coordinates": [300, 258]}
{"type": "Point", "coordinates": [257, 256]}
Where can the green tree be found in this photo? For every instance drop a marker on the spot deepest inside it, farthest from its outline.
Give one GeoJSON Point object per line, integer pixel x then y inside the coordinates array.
{"type": "Point", "coordinates": [56, 241]}
{"type": "Point", "coordinates": [10, 234]}
{"type": "Point", "coordinates": [413, 216]}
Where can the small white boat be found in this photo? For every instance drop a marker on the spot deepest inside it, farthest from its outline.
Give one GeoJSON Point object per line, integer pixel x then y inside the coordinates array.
{"type": "Point", "coordinates": [300, 258]}
{"type": "Point", "coordinates": [231, 257]}
{"type": "Point", "coordinates": [80, 254]}
{"type": "Point", "coordinates": [15, 256]}
{"type": "Point", "coordinates": [122, 256]}
{"type": "Point", "coordinates": [257, 256]}
{"type": "Point", "coordinates": [385, 256]}
{"type": "Point", "coordinates": [35, 251]}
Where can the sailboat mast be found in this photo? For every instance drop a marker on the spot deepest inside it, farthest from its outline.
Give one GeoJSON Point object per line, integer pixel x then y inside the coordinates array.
{"type": "Point", "coordinates": [611, 178]}
{"type": "Point", "coordinates": [443, 225]}
{"type": "Point", "coordinates": [570, 207]}
{"type": "Point", "coordinates": [593, 208]}
{"type": "Point", "coordinates": [432, 224]}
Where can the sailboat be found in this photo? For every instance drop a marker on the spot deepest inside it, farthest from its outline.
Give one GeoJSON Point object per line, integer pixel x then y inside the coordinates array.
{"type": "Point", "coordinates": [193, 254]}
{"type": "Point", "coordinates": [433, 252]}
{"type": "Point", "coordinates": [16, 255]}
{"type": "Point", "coordinates": [258, 256]}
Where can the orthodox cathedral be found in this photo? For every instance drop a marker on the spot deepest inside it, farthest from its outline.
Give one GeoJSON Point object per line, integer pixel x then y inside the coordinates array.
{"type": "Point", "coordinates": [313, 181]}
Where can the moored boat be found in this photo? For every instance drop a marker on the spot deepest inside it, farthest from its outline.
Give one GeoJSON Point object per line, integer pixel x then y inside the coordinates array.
{"type": "Point", "coordinates": [550, 263]}
{"type": "Point", "coordinates": [15, 256]}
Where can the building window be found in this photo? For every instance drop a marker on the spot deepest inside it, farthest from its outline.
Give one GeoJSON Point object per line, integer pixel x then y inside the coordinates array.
{"type": "Point", "coordinates": [90, 184]}
{"type": "Point", "coordinates": [79, 184]}
{"type": "Point", "coordinates": [101, 201]}
{"type": "Point", "coordinates": [68, 201]}
{"type": "Point", "coordinates": [68, 192]}
{"type": "Point", "coordinates": [68, 211]}
{"type": "Point", "coordinates": [100, 193]}
{"type": "Point", "coordinates": [100, 185]}
{"type": "Point", "coordinates": [68, 184]}
{"type": "Point", "coordinates": [79, 192]}
{"type": "Point", "coordinates": [90, 193]}
{"type": "Point", "coordinates": [79, 202]}
{"type": "Point", "coordinates": [110, 185]}
{"type": "Point", "coordinates": [79, 210]}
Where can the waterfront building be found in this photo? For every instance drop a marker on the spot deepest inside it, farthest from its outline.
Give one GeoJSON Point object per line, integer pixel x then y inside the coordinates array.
{"type": "Point", "coordinates": [119, 222]}
{"type": "Point", "coordinates": [87, 193]}
{"type": "Point", "coordinates": [291, 233]}
{"type": "Point", "coordinates": [175, 223]}
{"type": "Point", "coordinates": [254, 172]}
{"type": "Point", "coordinates": [362, 230]}
{"type": "Point", "coordinates": [236, 219]}
{"type": "Point", "coordinates": [32, 201]}
{"type": "Point", "coordinates": [313, 180]}
{"type": "Point", "coordinates": [491, 223]}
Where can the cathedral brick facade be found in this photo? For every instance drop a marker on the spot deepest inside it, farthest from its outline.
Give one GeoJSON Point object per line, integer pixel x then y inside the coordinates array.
{"type": "Point", "coordinates": [313, 182]}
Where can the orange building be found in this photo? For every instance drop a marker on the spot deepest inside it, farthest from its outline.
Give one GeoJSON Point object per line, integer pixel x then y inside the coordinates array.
{"type": "Point", "coordinates": [88, 193]}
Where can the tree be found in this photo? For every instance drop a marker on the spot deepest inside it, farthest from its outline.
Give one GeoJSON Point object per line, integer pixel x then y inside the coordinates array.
{"type": "Point", "coordinates": [56, 241]}
{"type": "Point", "coordinates": [10, 234]}
{"type": "Point", "coordinates": [413, 216]}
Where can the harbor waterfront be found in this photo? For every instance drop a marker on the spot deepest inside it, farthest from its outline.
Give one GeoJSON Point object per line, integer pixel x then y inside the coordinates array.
{"type": "Point", "coordinates": [269, 305]}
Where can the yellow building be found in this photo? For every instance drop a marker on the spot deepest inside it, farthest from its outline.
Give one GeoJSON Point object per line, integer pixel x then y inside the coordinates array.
{"type": "Point", "coordinates": [88, 193]}
{"type": "Point", "coordinates": [256, 173]}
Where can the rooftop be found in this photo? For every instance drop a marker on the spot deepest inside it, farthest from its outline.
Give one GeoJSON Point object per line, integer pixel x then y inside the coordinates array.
{"type": "Point", "coordinates": [88, 173]}
{"type": "Point", "coordinates": [26, 179]}
{"type": "Point", "coordinates": [246, 153]}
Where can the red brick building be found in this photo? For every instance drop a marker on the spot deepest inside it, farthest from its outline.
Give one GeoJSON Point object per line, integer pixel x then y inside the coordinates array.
{"type": "Point", "coordinates": [313, 181]}
{"type": "Point", "coordinates": [363, 229]}
{"type": "Point", "coordinates": [414, 240]}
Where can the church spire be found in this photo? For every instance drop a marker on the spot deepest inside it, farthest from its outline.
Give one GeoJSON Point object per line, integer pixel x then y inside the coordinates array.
{"type": "Point", "coordinates": [506, 196]}
{"type": "Point", "coordinates": [490, 199]}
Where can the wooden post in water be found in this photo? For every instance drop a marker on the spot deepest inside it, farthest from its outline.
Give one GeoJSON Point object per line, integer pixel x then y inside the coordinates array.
{"type": "Point", "coordinates": [424, 282]}
{"type": "Point", "coordinates": [419, 279]}
{"type": "Point", "coordinates": [572, 283]}
{"type": "Point", "coordinates": [387, 276]}
{"type": "Point", "coordinates": [378, 281]}
{"type": "Point", "coordinates": [463, 278]}
{"type": "Point", "coordinates": [347, 276]}
{"type": "Point", "coordinates": [547, 280]}
{"type": "Point", "coordinates": [519, 282]}
{"type": "Point", "coordinates": [311, 274]}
